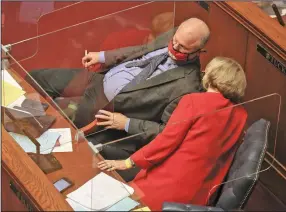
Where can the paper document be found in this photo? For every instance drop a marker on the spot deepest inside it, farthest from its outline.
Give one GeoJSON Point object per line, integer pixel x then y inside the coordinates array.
{"type": "Point", "coordinates": [124, 205]}
{"type": "Point", "coordinates": [100, 193]}
{"type": "Point", "coordinates": [65, 140]}
{"type": "Point", "coordinates": [47, 141]}
{"type": "Point", "coordinates": [18, 102]}
{"type": "Point", "coordinates": [76, 206]}
{"type": "Point", "coordinates": [6, 76]}
{"type": "Point", "coordinates": [10, 93]}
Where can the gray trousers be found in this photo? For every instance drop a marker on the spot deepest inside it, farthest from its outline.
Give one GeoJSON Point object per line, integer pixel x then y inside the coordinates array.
{"type": "Point", "coordinates": [78, 85]}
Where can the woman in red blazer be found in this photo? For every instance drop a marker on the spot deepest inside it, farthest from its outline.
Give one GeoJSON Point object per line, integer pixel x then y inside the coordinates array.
{"type": "Point", "coordinates": [193, 153]}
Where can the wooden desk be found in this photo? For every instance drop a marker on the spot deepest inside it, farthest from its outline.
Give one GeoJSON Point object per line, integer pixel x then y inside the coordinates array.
{"type": "Point", "coordinates": [79, 166]}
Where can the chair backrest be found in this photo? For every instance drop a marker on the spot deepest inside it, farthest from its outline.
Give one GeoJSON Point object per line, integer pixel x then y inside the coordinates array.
{"type": "Point", "coordinates": [246, 166]}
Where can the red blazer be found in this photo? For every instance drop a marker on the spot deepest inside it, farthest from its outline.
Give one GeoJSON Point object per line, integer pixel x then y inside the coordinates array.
{"type": "Point", "coordinates": [193, 154]}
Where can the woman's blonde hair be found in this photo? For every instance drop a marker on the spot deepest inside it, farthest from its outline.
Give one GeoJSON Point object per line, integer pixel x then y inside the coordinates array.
{"type": "Point", "coordinates": [227, 76]}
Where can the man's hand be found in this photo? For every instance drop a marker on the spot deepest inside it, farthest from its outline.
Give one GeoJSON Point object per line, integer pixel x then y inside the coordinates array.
{"type": "Point", "coordinates": [90, 59]}
{"type": "Point", "coordinates": [111, 165]}
{"type": "Point", "coordinates": [111, 120]}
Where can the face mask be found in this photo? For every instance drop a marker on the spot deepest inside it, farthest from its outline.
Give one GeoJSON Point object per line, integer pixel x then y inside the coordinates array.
{"type": "Point", "coordinates": [179, 56]}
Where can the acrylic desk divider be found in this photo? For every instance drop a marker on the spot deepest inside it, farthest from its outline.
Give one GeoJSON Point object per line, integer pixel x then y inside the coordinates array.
{"type": "Point", "coordinates": [81, 164]}
{"type": "Point", "coordinates": [46, 162]}
{"type": "Point", "coordinates": [220, 150]}
{"type": "Point", "coordinates": [259, 139]}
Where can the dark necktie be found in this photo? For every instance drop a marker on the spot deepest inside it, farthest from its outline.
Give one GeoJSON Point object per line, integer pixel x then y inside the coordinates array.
{"type": "Point", "coordinates": [149, 66]}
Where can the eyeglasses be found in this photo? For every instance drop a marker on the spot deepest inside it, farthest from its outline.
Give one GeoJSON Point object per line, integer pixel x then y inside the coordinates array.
{"type": "Point", "coordinates": [189, 53]}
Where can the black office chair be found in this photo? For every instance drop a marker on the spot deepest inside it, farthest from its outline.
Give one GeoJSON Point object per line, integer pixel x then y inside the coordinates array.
{"type": "Point", "coordinates": [247, 161]}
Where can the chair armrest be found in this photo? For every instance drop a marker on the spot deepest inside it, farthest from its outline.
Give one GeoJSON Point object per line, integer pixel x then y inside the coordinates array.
{"type": "Point", "coordinates": [169, 206]}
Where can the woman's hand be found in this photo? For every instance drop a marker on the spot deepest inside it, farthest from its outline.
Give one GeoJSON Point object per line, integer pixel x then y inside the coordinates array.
{"type": "Point", "coordinates": [110, 165]}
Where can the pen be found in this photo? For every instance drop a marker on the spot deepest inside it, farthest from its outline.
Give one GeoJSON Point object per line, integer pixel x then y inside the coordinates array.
{"type": "Point", "coordinates": [85, 53]}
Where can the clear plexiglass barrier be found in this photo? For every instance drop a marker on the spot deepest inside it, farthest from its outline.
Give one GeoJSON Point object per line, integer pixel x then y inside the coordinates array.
{"type": "Point", "coordinates": [218, 147]}
{"type": "Point", "coordinates": [55, 109]}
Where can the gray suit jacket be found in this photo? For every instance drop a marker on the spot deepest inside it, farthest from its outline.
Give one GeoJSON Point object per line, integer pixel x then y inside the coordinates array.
{"type": "Point", "coordinates": [150, 104]}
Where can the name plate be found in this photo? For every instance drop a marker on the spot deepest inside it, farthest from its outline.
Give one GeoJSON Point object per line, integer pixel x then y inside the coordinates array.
{"type": "Point", "coordinates": [281, 67]}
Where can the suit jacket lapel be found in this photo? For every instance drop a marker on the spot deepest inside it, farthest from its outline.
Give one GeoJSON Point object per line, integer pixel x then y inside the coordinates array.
{"type": "Point", "coordinates": [165, 77]}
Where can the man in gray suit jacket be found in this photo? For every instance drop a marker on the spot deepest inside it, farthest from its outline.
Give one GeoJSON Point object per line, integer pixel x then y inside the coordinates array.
{"type": "Point", "coordinates": [143, 108]}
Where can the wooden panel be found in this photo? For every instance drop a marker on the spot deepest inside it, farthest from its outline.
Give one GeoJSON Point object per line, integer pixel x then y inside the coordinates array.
{"type": "Point", "coordinates": [235, 34]}
{"type": "Point", "coordinates": [274, 179]}
{"type": "Point", "coordinates": [9, 200]}
{"type": "Point", "coordinates": [262, 199]}
{"type": "Point", "coordinates": [19, 18]}
{"type": "Point", "coordinates": [92, 10]}
{"type": "Point", "coordinates": [264, 78]}
{"type": "Point", "coordinates": [33, 181]}
{"type": "Point", "coordinates": [100, 31]}
{"type": "Point", "coordinates": [228, 38]}
{"type": "Point", "coordinates": [185, 10]}
{"type": "Point", "coordinates": [79, 166]}
{"type": "Point", "coordinates": [20, 22]}
{"type": "Point", "coordinates": [262, 25]}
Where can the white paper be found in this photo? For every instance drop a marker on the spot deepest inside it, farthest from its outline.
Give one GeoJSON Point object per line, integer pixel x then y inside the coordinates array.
{"type": "Point", "coordinates": [76, 206]}
{"type": "Point", "coordinates": [65, 140]}
{"type": "Point", "coordinates": [8, 78]}
{"type": "Point", "coordinates": [18, 102]}
{"type": "Point", "coordinates": [47, 141]}
{"type": "Point", "coordinates": [101, 192]}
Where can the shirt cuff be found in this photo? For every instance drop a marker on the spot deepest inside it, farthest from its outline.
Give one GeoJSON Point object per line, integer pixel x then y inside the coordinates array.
{"type": "Point", "coordinates": [127, 125]}
{"type": "Point", "coordinates": [101, 57]}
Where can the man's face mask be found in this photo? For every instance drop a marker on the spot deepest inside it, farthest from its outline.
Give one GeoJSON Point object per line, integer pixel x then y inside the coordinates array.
{"type": "Point", "coordinates": [179, 56]}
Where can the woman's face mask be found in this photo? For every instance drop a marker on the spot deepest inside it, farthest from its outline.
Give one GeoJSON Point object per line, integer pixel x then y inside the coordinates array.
{"type": "Point", "coordinates": [179, 56]}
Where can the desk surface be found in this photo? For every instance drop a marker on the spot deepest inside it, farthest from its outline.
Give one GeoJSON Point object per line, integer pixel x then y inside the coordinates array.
{"type": "Point", "coordinates": [80, 165]}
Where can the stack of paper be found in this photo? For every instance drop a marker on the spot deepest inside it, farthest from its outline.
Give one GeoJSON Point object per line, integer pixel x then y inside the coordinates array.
{"type": "Point", "coordinates": [99, 193]}
{"type": "Point", "coordinates": [11, 90]}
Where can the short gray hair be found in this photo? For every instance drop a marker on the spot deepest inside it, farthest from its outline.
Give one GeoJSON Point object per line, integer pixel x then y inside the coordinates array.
{"type": "Point", "coordinates": [204, 40]}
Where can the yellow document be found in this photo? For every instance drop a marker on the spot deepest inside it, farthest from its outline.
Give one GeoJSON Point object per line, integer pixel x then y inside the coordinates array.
{"type": "Point", "coordinates": [142, 209]}
{"type": "Point", "coordinates": [10, 93]}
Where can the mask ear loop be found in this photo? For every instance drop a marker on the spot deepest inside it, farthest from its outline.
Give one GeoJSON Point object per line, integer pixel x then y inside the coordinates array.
{"type": "Point", "coordinates": [188, 54]}
{"type": "Point", "coordinates": [197, 51]}
{"type": "Point", "coordinates": [203, 51]}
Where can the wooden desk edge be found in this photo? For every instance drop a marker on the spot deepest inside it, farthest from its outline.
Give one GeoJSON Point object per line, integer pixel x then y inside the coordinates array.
{"type": "Point", "coordinates": [258, 23]}
{"type": "Point", "coordinates": [23, 169]}
{"type": "Point", "coordinates": [34, 171]}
